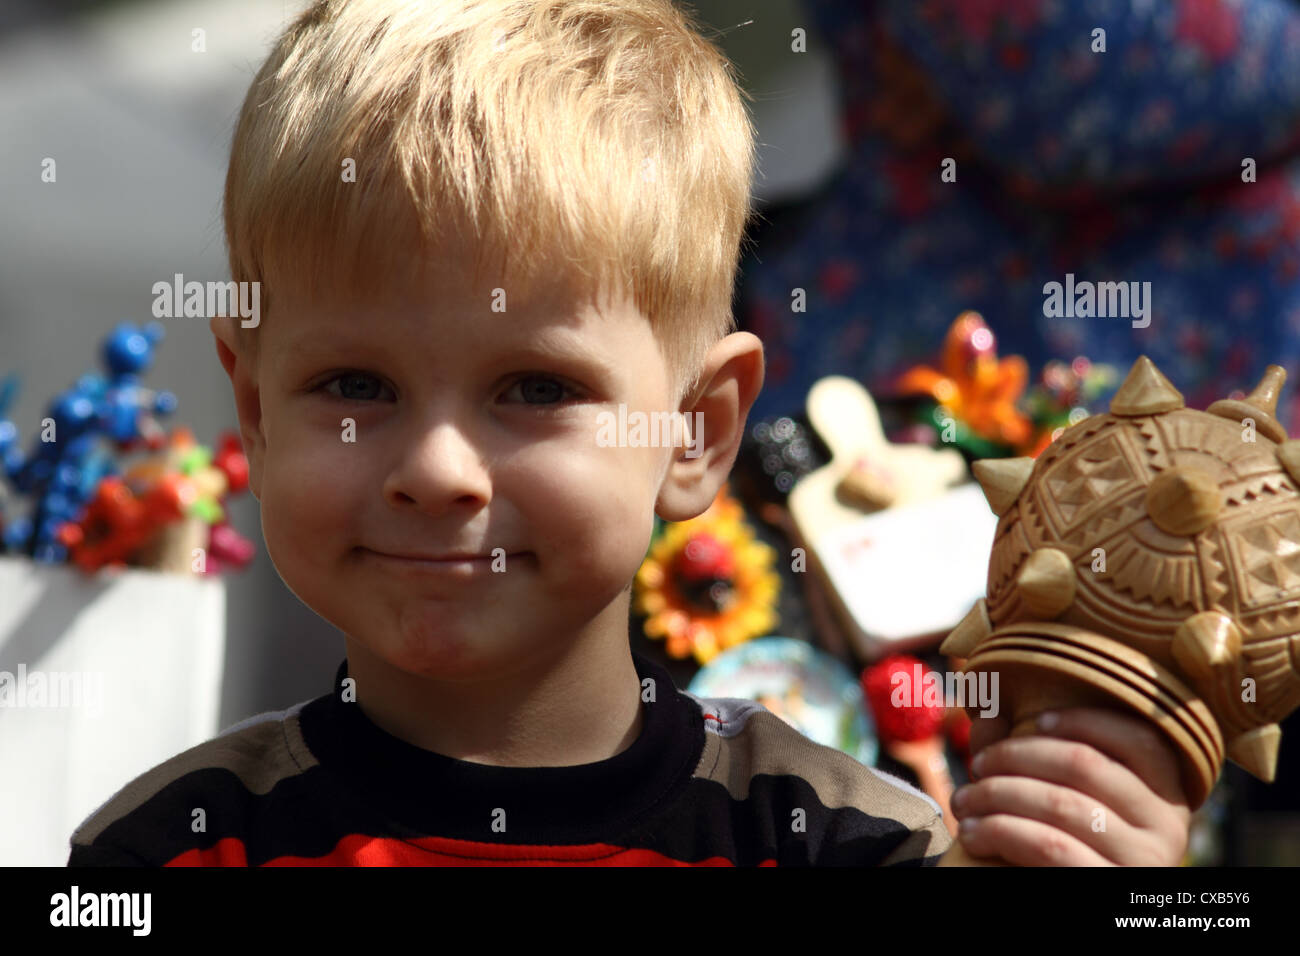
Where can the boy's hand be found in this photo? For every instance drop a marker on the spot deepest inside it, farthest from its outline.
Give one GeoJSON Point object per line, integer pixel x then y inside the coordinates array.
{"type": "Point", "coordinates": [1099, 788]}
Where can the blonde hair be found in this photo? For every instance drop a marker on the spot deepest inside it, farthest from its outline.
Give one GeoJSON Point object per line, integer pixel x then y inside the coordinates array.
{"type": "Point", "coordinates": [607, 136]}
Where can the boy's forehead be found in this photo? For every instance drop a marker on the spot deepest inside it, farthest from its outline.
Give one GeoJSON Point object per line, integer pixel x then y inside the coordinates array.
{"type": "Point", "coordinates": [329, 330]}
{"type": "Point", "coordinates": [557, 315]}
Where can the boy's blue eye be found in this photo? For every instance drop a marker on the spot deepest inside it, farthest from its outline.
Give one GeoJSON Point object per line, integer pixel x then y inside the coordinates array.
{"type": "Point", "coordinates": [349, 381]}
{"type": "Point", "coordinates": [541, 390]}
{"type": "Point", "coordinates": [536, 390]}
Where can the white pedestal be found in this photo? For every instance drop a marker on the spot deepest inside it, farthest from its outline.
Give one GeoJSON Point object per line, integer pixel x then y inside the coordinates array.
{"type": "Point", "coordinates": [129, 663]}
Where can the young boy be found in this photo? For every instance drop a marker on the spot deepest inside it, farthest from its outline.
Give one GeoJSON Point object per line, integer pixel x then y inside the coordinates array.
{"type": "Point", "coordinates": [457, 203]}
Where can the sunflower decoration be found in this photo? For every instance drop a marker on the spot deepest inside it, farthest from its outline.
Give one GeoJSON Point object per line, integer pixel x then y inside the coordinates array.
{"type": "Point", "coordinates": [706, 584]}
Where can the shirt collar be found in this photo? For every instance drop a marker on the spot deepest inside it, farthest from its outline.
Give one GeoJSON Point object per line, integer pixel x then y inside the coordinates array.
{"type": "Point", "coordinates": [435, 795]}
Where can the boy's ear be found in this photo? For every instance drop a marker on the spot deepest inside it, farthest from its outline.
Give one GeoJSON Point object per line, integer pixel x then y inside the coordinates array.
{"type": "Point", "coordinates": [715, 414]}
{"type": "Point", "coordinates": [248, 403]}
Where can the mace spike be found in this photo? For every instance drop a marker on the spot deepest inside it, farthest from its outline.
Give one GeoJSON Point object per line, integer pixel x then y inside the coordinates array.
{"type": "Point", "coordinates": [1264, 397]}
{"type": "Point", "coordinates": [1259, 406]}
{"type": "Point", "coordinates": [1255, 751]}
{"type": "Point", "coordinates": [1145, 391]}
{"type": "Point", "coordinates": [1002, 480]}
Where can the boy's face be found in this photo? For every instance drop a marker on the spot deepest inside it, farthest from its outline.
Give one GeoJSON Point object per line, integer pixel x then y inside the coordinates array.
{"type": "Point", "coordinates": [473, 430]}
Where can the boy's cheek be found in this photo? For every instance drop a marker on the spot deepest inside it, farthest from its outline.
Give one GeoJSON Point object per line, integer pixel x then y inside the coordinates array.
{"type": "Point", "coordinates": [308, 500]}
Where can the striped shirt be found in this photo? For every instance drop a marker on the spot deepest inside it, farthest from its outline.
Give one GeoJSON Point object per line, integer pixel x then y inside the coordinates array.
{"type": "Point", "coordinates": [709, 782]}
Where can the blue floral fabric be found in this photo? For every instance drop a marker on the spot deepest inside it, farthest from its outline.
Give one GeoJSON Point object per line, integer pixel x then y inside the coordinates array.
{"type": "Point", "coordinates": [1117, 166]}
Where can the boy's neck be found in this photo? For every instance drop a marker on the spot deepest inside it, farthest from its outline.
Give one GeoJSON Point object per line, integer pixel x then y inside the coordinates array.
{"type": "Point", "coordinates": [579, 706]}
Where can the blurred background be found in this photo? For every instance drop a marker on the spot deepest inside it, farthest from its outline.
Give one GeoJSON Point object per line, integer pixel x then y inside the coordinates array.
{"type": "Point", "coordinates": [1125, 163]}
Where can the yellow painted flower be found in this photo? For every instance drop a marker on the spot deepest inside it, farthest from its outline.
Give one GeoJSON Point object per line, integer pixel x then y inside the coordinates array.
{"type": "Point", "coordinates": [707, 584]}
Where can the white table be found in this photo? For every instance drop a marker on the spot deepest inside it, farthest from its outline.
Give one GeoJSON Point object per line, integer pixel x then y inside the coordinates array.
{"type": "Point", "coordinates": [131, 663]}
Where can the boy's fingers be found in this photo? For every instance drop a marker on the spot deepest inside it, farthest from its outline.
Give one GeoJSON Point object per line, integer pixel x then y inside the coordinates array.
{"type": "Point", "coordinates": [1132, 741]}
{"type": "Point", "coordinates": [1023, 842]}
{"type": "Point", "coordinates": [1061, 808]}
{"type": "Point", "coordinates": [1080, 767]}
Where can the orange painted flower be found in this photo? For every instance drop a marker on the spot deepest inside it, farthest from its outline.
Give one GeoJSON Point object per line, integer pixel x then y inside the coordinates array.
{"type": "Point", "coordinates": [707, 584]}
{"type": "Point", "coordinates": [975, 385]}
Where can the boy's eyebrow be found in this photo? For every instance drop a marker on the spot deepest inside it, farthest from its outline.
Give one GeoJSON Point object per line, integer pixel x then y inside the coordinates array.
{"type": "Point", "coordinates": [559, 345]}
{"type": "Point", "coordinates": [551, 344]}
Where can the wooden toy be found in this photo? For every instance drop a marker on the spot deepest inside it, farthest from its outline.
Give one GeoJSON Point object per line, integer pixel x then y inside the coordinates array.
{"type": "Point", "coordinates": [899, 552]}
{"type": "Point", "coordinates": [866, 472]}
{"type": "Point", "coordinates": [910, 728]}
{"type": "Point", "coordinates": [1149, 560]}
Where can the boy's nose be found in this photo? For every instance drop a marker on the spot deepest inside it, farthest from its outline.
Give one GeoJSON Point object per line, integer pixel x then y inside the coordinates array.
{"type": "Point", "coordinates": [437, 469]}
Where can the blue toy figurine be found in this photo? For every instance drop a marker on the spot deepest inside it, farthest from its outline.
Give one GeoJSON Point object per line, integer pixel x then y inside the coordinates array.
{"type": "Point", "coordinates": [66, 464]}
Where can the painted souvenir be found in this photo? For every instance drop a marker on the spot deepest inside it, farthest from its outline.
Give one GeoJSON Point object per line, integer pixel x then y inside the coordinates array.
{"type": "Point", "coordinates": [1149, 559]}
{"type": "Point", "coordinates": [808, 689]}
{"type": "Point", "coordinates": [899, 574]}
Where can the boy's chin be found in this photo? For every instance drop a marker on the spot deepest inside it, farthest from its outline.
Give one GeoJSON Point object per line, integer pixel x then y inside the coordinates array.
{"type": "Point", "coordinates": [440, 656]}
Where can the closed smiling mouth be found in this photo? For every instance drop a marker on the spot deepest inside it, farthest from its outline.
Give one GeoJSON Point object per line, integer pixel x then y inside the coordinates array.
{"type": "Point", "coordinates": [448, 557]}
